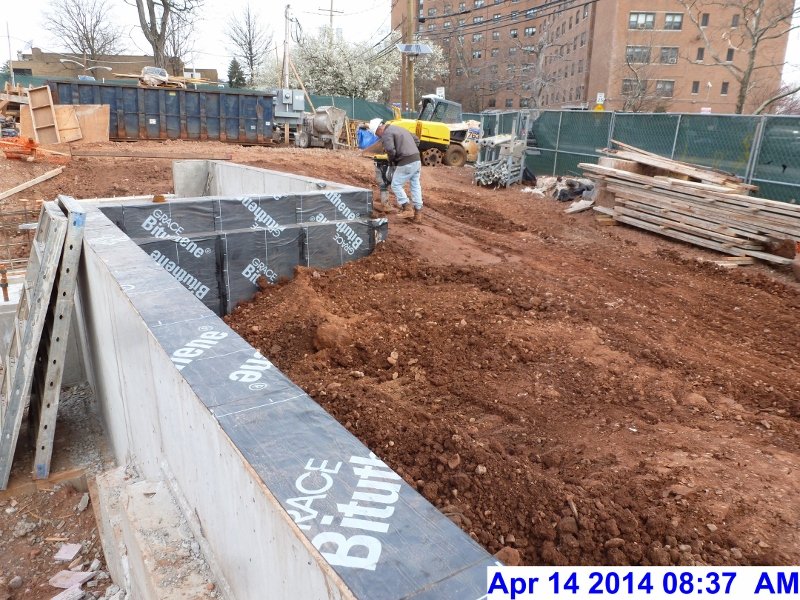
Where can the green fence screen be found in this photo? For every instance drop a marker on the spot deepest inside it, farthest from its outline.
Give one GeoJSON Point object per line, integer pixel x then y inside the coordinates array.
{"type": "Point", "coordinates": [764, 150]}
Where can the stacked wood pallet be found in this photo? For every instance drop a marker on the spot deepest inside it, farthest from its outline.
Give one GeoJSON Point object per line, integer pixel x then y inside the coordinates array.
{"type": "Point", "coordinates": [694, 204]}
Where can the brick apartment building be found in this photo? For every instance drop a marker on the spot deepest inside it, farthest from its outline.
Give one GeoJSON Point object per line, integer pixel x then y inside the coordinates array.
{"type": "Point", "coordinates": [639, 55]}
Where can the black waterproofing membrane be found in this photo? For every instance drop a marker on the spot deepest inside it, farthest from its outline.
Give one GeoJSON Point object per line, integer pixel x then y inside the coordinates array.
{"type": "Point", "coordinates": [382, 538]}
{"type": "Point", "coordinates": [219, 247]}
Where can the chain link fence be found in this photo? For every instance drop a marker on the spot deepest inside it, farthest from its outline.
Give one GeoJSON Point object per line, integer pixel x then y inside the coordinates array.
{"type": "Point", "coordinates": [763, 150]}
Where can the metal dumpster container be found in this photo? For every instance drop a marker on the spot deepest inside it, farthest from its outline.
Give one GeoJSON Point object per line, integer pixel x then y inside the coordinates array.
{"type": "Point", "coordinates": [137, 113]}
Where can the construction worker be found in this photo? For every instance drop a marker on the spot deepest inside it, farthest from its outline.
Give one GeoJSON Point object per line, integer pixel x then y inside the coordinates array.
{"type": "Point", "coordinates": [401, 149]}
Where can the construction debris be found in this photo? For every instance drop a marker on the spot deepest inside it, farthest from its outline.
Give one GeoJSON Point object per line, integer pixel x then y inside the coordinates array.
{"type": "Point", "coordinates": [705, 207]}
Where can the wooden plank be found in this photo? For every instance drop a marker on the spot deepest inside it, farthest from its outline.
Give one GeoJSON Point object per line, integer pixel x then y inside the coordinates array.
{"type": "Point", "coordinates": [772, 225]}
{"type": "Point", "coordinates": [31, 183]}
{"type": "Point", "coordinates": [49, 240]}
{"type": "Point", "coordinates": [53, 349]}
{"type": "Point", "coordinates": [668, 223]}
{"type": "Point", "coordinates": [691, 212]}
{"type": "Point", "coordinates": [742, 203]}
{"type": "Point", "coordinates": [653, 156]}
{"type": "Point", "coordinates": [69, 129]}
{"type": "Point", "coordinates": [15, 98]}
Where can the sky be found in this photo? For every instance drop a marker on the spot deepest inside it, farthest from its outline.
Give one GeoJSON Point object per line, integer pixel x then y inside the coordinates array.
{"type": "Point", "coordinates": [360, 20]}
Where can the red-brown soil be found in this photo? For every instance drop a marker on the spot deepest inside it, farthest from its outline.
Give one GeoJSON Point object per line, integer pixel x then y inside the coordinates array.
{"type": "Point", "coordinates": [582, 393]}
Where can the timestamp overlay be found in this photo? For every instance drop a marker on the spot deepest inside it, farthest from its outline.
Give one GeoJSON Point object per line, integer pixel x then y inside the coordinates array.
{"type": "Point", "coordinates": [653, 583]}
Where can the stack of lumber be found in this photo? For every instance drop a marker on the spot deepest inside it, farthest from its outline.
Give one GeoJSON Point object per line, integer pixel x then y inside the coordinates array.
{"type": "Point", "coordinates": [694, 204]}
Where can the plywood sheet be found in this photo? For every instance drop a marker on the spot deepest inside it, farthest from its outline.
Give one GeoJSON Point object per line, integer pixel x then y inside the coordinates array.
{"type": "Point", "coordinates": [25, 123]}
{"type": "Point", "coordinates": [94, 121]}
{"type": "Point", "coordinates": [68, 127]}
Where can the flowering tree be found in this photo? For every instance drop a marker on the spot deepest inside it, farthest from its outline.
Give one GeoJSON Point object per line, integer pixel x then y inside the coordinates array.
{"type": "Point", "coordinates": [329, 65]}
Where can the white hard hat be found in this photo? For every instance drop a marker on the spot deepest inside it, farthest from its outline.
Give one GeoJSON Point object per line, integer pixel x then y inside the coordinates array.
{"type": "Point", "coordinates": [374, 124]}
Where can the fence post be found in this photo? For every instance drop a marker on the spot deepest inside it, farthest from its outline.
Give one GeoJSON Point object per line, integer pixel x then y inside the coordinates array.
{"type": "Point", "coordinates": [755, 149]}
{"type": "Point", "coordinates": [611, 124]}
{"type": "Point", "coordinates": [558, 139]}
{"type": "Point", "coordinates": [675, 139]}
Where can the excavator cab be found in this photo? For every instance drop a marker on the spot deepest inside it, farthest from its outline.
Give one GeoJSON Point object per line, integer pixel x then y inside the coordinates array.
{"type": "Point", "coordinates": [435, 108]}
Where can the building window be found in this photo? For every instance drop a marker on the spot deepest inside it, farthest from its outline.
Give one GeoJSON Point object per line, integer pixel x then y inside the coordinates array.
{"type": "Point", "coordinates": [729, 56]}
{"type": "Point", "coordinates": [512, 50]}
{"type": "Point", "coordinates": [631, 87]}
{"type": "Point", "coordinates": [641, 20]}
{"type": "Point", "coordinates": [448, 9]}
{"type": "Point", "coordinates": [477, 19]}
{"type": "Point", "coordinates": [723, 91]}
{"type": "Point", "coordinates": [573, 69]}
{"type": "Point", "coordinates": [447, 25]}
{"type": "Point", "coordinates": [461, 22]}
{"type": "Point", "coordinates": [461, 40]}
{"type": "Point", "coordinates": [673, 21]}
{"type": "Point", "coordinates": [585, 11]}
{"type": "Point", "coordinates": [432, 27]}
{"type": "Point", "coordinates": [479, 3]}
{"type": "Point", "coordinates": [477, 54]}
{"type": "Point", "coordinates": [669, 56]}
{"type": "Point", "coordinates": [637, 54]}
{"type": "Point", "coordinates": [530, 31]}
{"type": "Point", "coordinates": [431, 12]}
{"type": "Point", "coordinates": [493, 69]}
{"type": "Point", "coordinates": [491, 103]}
{"type": "Point", "coordinates": [523, 102]}
{"type": "Point", "coordinates": [665, 88]}
{"type": "Point", "coordinates": [509, 103]}
{"type": "Point", "coordinates": [459, 71]}
{"type": "Point", "coordinates": [496, 16]}
{"type": "Point", "coordinates": [704, 20]}
{"type": "Point", "coordinates": [570, 22]}
{"type": "Point", "coordinates": [701, 53]}
{"type": "Point", "coordinates": [495, 35]}
{"type": "Point", "coordinates": [735, 21]}
{"type": "Point", "coordinates": [495, 52]}
{"type": "Point", "coordinates": [514, 15]}
{"type": "Point", "coordinates": [477, 37]}
{"type": "Point", "coordinates": [583, 39]}
{"type": "Point", "coordinates": [514, 33]}
{"type": "Point", "coordinates": [580, 66]}
{"type": "Point", "coordinates": [462, 7]}
{"type": "Point", "coordinates": [530, 13]}
{"type": "Point", "coordinates": [695, 87]}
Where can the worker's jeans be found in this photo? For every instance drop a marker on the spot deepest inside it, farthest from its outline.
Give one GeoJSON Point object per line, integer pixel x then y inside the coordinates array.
{"type": "Point", "coordinates": [408, 173]}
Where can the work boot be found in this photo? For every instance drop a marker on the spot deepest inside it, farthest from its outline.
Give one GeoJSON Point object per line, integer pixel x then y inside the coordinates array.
{"type": "Point", "coordinates": [403, 207]}
{"type": "Point", "coordinates": [417, 215]}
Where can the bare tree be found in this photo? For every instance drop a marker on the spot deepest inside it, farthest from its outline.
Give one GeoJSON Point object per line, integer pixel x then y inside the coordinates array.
{"type": "Point", "coordinates": [758, 25]}
{"type": "Point", "coordinates": [250, 40]}
{"type": "Point", "coordinates": [154, 19]}
{"type": "Point", "coordinates": [84, 27]}
{"type": "Point", "coordinates": [783, 101]}
{"type": "Point", "coordinates": [180, 41]}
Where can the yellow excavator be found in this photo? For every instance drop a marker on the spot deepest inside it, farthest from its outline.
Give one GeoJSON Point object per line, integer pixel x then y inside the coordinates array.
{"type": "Point", "coordinates": [444, 137]}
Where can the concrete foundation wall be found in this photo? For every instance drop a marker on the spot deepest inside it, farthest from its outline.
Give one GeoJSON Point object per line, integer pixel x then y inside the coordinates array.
{"type": "Point", "coordinates": [194, 178]}
{"type": "Point", "coordinates": [156, 424]}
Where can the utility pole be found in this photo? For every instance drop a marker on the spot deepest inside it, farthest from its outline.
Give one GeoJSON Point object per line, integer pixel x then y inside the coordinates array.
{"type": "Point", "coordinates": [409, 62]}
{"type": "Point", "coordinates": [10, 58]}
{"type": "Point", "coordinates": [286, 51]}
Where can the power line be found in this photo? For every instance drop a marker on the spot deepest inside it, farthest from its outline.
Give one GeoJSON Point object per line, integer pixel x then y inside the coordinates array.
{"type": "Point", "coordinates": [485, 24]}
